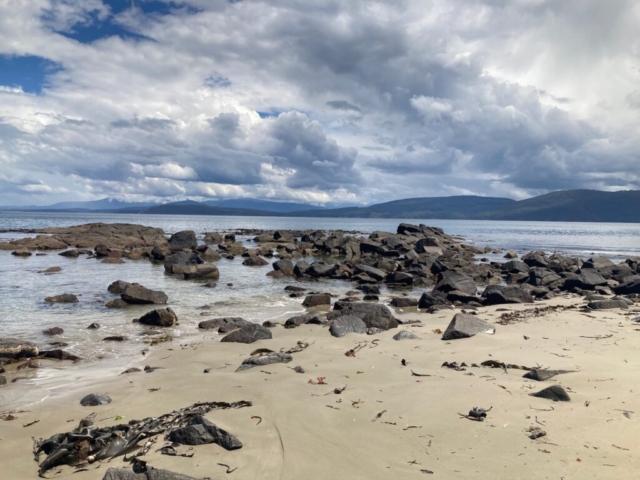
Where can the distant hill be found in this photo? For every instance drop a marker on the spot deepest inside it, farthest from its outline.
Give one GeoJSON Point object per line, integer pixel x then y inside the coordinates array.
{"type": "Point", "coordinates": [457, 207]}
{"type": "Point", "coordinates": [265, 205]}
{"type": "Point", "coordinates": [189, 208]}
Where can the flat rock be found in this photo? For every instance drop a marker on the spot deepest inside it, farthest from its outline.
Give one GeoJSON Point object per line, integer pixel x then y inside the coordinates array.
{"type": "Point", "coordinates": [616, 302]}
{"type": "Point", "coordinates": [154, 474]}
{"type": "Point", "coordinates": [137, 294]}
{"type": "Point", "coordinates": [53, 331]}
{"type": "Point", "coordinates": [95, 399]}
{"type": "Point", "coordinates": [465, 326]}
{"type": "Point", "coordinates": [452, 280]}
{"type": "Point", "coordinates": [501, 294]}
{"type": "Point", "coordinates": [404, 302]}
{"type": "Point", "coordinates": [14, 348]}
{"type": "Point", "coordinates": [541, 375]}
{"type": "Point", "coordinates": [405, 335]}
{"type": "Point", "coordinates": [64, 298]}
{"type": "Point", "coordinates": [249, 334]}
{"type": "Point", "coordinates": [262, 360]}
{"type": "Point", "coordinates": [224, 325]}
{"type": "Point", "coordinates": [200, 431]}
{"type": "Point", "coordinates": [554, 392]}
{"type": "Point", "coordinates": [51, 270]}
{"type": "Point", "coordinates": [116, 303]}
{"type": "Point", "coordinates": [162, 317]}
{"type": "Point", "coordinates": [345, 324]}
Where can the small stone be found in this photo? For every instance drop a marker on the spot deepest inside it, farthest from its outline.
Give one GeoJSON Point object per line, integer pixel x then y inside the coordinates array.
{"type": "Point", "coordinates": [64, 298]}
{"type": "Point", "coordinates": [94, 326]}
{"type": "Point", "coordinates": [115, 338]}
{"type": "Point", "coordinates": [405, 335]}
{"type": "Point", "coordinates": [53, 331]}
{"type": "Point", "coordinates": [554, 392]}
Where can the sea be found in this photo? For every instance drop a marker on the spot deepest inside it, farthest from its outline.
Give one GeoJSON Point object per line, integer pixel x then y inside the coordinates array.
{"type": "Point", "coordinates": [242, 291]}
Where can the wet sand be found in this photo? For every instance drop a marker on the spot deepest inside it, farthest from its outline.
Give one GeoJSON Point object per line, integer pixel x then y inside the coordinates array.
{"type": "Point", "coordinates": [307, 431]}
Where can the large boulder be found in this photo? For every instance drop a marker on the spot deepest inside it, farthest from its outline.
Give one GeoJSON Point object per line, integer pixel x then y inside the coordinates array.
{"type": "Point", "coordinates": [255, 262]}
{"type": "Point", "coordinates": [63, 298]}
{"type": "Point", "coordinates": [95, 399]}
{"type": "Point", "coordinates": [630, 286]}
{"type": "Point", "coordinates": [283, 266]}
{"type": "Point", "coordinates": [205, 271]}
{"type": "Point", "coordinates": [428, 300]}
{"type": "Point", "coordinates": [224, 325]}
{"type": "Point", "coordinates": [515, 266]}
{"type": "Point", "coordinates": [212, 238]}
{"type": "Point", "coordinates": [543, 277]}
{"type": "Point", "coordinates": [249, 334]}
{"type": "Point", "coordinates": [500, 294]}
{"type": "Point", "coordinates": [135, 293]}
{"type": "Point", "coordinates": [317, 300]}
{"type": "Point", "coordinates": [375, 273]}
{"type": "Point", "coordinates": [14, 348]}
{"type": "Point", "coordinates": [179, 261]}
{"type": "Point", "coordinates": [164, 317]}
{"type": "Point", "coordinates": [453, 280]}
{"type": "Point", "coordinates": [587, 279]}
{"type": "Point", "coordinates": [117, 287]}
{"type": "Point", "coordinates": [319, 269]}
{"type": "Point", "coordinates": [183, 240]}
{"type": "Point", "coordinates": [372, 314]}
{"type": "Point", "coordinates": [341, 326]}
{"type": "Point", "coordinates": [465, 326]}
{"type": "Point", "coordinates": [200, 431]}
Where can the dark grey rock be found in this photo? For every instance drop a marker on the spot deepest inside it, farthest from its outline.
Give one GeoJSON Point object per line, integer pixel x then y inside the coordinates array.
{"type": "Point", "coordinates": [405, 335]}
{"type": "Point", "coordinates": [404, 302]}
{"type": "Point", "coordinates": [64, 298]}
{"type": "Point", "coordinates": [224, 325]}
{"type": "Point", "coordinates": [163, 317]}
{"type": "Point", "coordinates": [95, 399]}
{"type": "Point", "coordinates": [428, 300]}
{"type": "Point", "coordinates": [375, 273]}
{"type": "Point", "coordinates": [116, 303]}
{"type": "Point", "coordinates": [465, 326]}
{"type": "Point", "coordinates": [554, 392]}
{"type": "Point", "coordinates": [500, 294]}
{"type": "Point", "coordinates": [616, 302]}
{"type": "Point", "coordinates": [255, 262]}
{"type": "Point", "coordinates": [249, 334]}
{"type": "Point", "coordinates": [200, 431]}
{"type": "Point", "coordinates": [343, 325]}
{"type": "Point", "coordinates": [541, 375]}
{"type": "Point", "coordinates": [303, 320]}
{"type": "Point", "coordinates": [283, 266]}
{"type": "Point", "coordinates": [135, 293]}
{"type": "Point", "coordinates": [262, 360]}
{"type": "Point", "coordinates": [515, 266]}
{"type": "Point", "coordinates": [373, 315]}
{"type": "Point", "coordinates": [452, 280]}
{"type": "Point", "coordinates": [206, 271]}
{"type": "Point", "coordinates": [630, 286]}
{"type": "Point", "coordinates": [588, 279]}
{"type": "Point", "coordinates": [317, 300]}
{"type": "Point", "coordinates": [53, 331]}
{"type": "Point", "coordinates": [117, 287]}
{"type": "Point", "coordinates": [183, 240]}
{"type": "Point", "coordinates": [152, 474]}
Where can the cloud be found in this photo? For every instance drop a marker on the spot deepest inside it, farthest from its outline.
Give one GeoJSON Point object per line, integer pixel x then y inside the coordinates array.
{"type": "Point", "coordinates": [317, 100]}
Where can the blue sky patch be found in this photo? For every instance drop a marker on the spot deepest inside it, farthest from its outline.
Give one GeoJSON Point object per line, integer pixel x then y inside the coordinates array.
{"type": "Point", "coordinates": [28, 72]}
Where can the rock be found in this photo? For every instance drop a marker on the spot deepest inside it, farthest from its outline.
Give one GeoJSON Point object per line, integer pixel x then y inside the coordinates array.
{"type": "Point", "coordinates": [500, 294]}
{"type": "Point", "coordinates": [588, 279]}
{"type": "Point", "coordinates": [300, 268]}
{"type": "Point", "coordinates": [202, 271]}
{"type": "Point", "coordinates": [95, 399]}
{"type": "Point", "coordinates": [210, 255]}
{"type": "Point", "coordinates": [630, 286]}
{"type": "Point", "coordinates": [373, 315]}
{"type": "Point", "coordinates": [428, 300]}
{"type": "Point", "coordinates": [317, 300]}
{"type": "Point", "coordinates": [70, 253]}
{"type": "Point", "coordinates": [465, 326]}
{"type": "Point", "coordinates": [453, 280]}
{"type": "Point", "coordinates": [210, 285]}
{"type": "Point", "coordinates": [319, 270]}
{"type": "Point", "coordinates": [152, 474]}
{"type": "Point", "coordinates": [165, 317]}
{"type": "Point", "coordinates": [51, 270]}
{"type": "Point", "coordinates": [542, 277]}
{"type": "Point", "coordinates": [616, 302]}
{"type": "Point", "coordinates": [298, 369]}
{"type": "Point", "coordinates": [59, 355]}
{"type": "Point", "coordinates": [255, 262]}
{"type": "Point", "coordinates": [375, 273]}
{"type": "Point", "coordinates": [22, 252]}
{"type": "Point", "coordinates": [515, 266]}
{"type": "Point", "coordinates": [541, 375]}
{"type": "Point", "coordinates": [115, 338]}
{"type": "Point", "coordinates": [14, 348]}
{"type": "Point", "coordinates": [224, 325]}
{"type": "Point", "coordinates": [200, 431]}
{"type": "Point", "coordinates": [554, 392]}
{"type": "Point", "coordinates": [118, 287]}
{"type": "Point", "coordinates": [3, 380]}
{"type": "Point", "coordinates": [347, 324]}
{"type": "Point", "coordinates": [94, 326]}
{"type": "Point", "coordinates": [511, 254]}
{"type": "Point", "coordinates": [404, 302]}
{"type": "Point", "coordinates": [53, 331]}
{"type": "Point", "coordinates": [135, 293]}
{"type": "Point", "coordinates": [293, 288]}
{"type": "Point", "coordinates": [64, 298]}
{"type": "Point", "coordinates": [113, 261]}
{"type": "Point", "coordinates": [160, 252]}
{"type": "Point", "coordinates": [116, 303]}
{"type": "Point", "coordinates": [284, 266]}
{"type": "Point", "coordinates": [212, 238]}
{"type": "Point", "coordinates": [179, 261]}
{"type": "Point", "coordinates": [298, 320]}
{"type": "Point", "coordinates": [405, 335]}
{"type": "Point", "coordinates": [185, 239]}
{"type": "Point", "coordinates": [597, 263]}
{"type": "Point", "coordinates": [131, 370]}
{"type": "Point", "coordinates": [249, 334]}
{"type": "Point", "coordinates": [262, 360]}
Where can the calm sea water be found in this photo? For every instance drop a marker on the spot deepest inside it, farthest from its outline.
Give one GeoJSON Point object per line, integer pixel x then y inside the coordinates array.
{"type": "Point", "coordinates": [242, 291]}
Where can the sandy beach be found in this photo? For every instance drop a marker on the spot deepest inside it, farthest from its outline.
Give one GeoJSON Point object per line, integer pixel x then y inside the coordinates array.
{"type": "Point", "coordinates": [387, 423]}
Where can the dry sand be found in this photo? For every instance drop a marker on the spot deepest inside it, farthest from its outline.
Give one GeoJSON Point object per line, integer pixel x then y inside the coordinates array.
{"type": "Point", "coordinates": [304, 433]}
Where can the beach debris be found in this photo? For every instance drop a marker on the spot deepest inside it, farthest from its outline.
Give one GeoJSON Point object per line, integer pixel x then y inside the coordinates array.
{"type": "Point", "coordinates": [300, 346]}
{"type": "Point", "coordinates": [153, 389]}
{"type": "Point", "coordinates": [172, 452]}
{"type": "Point", "coordinates": [352, 352]}
{"type": "Point", "coordinates": [554, 392]}
{"type": "Point", "coordinates": [541, 375]}
{"type": "Point", "coordinates": [25, 425]}
{"type": "Point", "coordinates": [455, 366]}
{"type": "Point", "coordinates": [378, 415]}
{"type": "Point", "coordinates": [318, 381]}
{"type": "Point", "coordinates": [87, 444]}
{"type": "Point", "coordinates": [464, 326]}
{"type": "Point", "coordinates": [534, 432]}
{"type": "Point", "coordinates": [131, 370]}
{"type": "Point", "coordinates": [476, 414]}
{"type": "Point", "coordinates": [229, 469]}
{"type": "Point", "coordinates": [503, 366]}
{"type": "Point", "coordinates": [521, 315]}
{"type": "Point", "coordinates": [261, 351]}
{"type": "Point", "coordinates": [415, 374]}
{"type": "Point", "coordinates": [261, 360]}
{"type": "Point", "coordinates": [256, 417]}
{"type": "Point", "coordinates": [95, 399]}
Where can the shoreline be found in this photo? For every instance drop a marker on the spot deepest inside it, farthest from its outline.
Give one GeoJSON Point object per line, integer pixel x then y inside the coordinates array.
{"type": "Point", "coordinates": [315, 430]}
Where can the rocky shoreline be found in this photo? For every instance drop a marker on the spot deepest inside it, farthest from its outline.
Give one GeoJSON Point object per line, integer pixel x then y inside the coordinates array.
{"type": "Point", "coordinates": [463, 295]}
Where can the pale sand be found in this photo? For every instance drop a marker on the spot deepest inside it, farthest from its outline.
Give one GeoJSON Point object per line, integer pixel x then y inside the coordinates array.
{"type": "Point", "coordinates": [301, 437]}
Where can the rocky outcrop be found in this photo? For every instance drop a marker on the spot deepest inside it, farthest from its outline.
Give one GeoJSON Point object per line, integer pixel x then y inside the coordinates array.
{"type": "Point", "coordinates": [373, 315]}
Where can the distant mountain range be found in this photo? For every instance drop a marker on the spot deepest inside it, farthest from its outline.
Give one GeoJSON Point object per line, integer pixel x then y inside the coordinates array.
{"type": "Point", "coordinates": [562, 206]}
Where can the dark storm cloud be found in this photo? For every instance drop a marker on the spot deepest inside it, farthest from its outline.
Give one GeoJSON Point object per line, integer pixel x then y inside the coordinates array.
{"type": "Point", "coordinates": [343, 105]}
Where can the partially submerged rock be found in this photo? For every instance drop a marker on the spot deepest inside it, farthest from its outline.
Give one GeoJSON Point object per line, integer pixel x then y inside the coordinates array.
{"type": "Point", "coordinates": [465, 326]}
{"type": "Point", "coordinates": [51, 270]}
{"type": "Point", "coordinates": [14, 348]}
{"type": "Point", "coordinates": [225, 324]}
{"type": "Point", "coordinates": [554, 392]}
{"type": "Point", "coordinates": [135, 293]}
{"type": "Point", "coordinates": [64, 298]}
{"type": "Point", "coordinates": [317, 300]}
{"type": "Point", "coordinates": [265, 359]}
{"type": "Point", "coordinates": [118, 287]}
{"type": "Point", "coordinates": [163, 317]}
{"type": "Point", "coordinates": [53, 331]}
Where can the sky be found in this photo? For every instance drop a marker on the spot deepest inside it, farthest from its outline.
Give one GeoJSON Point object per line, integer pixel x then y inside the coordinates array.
{"type": "Point", "coordinates": [317, 101]}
